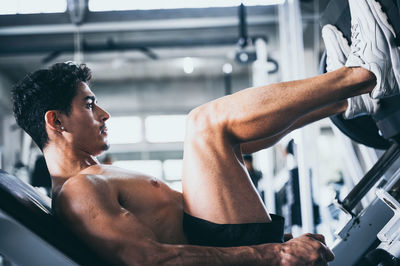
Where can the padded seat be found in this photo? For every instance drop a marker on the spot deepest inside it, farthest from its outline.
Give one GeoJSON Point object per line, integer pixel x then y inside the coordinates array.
{"type": "Point", "coordinates": [23, 209]}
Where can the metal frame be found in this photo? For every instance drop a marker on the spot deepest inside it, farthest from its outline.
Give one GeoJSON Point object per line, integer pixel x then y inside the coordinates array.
{"type": "Point", "coordinates": [380, 219]}
{"type": "Point", "coordinates": [291, 40]}
{"type": "Point", "coordinates": [360, 233]}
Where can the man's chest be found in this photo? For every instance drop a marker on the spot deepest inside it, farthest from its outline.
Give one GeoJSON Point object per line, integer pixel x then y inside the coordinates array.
{"type": "Point", "coordinates": [155, 206]}
{"type": "Point", "coordinates": [143, 193]}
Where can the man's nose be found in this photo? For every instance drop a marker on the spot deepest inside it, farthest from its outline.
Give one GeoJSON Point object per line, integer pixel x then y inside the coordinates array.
{"type": "Point", "coordinates": [104, 115]}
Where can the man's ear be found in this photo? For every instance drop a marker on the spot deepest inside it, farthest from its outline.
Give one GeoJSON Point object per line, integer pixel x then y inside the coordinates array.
{"type": "Point", "coordinates": [52, 119]}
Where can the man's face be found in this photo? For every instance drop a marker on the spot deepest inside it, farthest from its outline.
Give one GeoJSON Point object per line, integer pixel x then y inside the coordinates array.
{"type": "Point", "coordinates": [85, 125]}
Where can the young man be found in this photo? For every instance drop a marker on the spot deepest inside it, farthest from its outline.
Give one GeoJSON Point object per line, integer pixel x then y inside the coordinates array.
{"type": "Point", "coordinates": [133, 219]}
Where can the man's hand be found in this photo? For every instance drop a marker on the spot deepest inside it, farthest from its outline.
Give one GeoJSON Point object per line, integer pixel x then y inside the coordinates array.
{"type": "Point", "coordinates": [308, 249]}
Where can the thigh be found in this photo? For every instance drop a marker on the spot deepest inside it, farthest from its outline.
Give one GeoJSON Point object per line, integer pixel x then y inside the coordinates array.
{"type": "Point", "coordinates": [216, 185]}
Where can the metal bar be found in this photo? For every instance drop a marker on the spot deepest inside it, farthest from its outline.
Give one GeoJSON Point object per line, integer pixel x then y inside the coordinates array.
{"type": "Point", "coordinates": [370, 178]}
{"type": "Point", "coordinates": [143, 25]}
{"type": "Point", "coordinates": [242, 26]}
{"type": "Point", "coordinates": [352, 171]}
{"type": "Point", "coordinates": [149, 53]}
{"type": "Point", "coordinates": [112, 46]}
{"type": "Point", "coordinates": [228, 83]}
{"type": "Point", "coordinates": [306, 136]}
{"type": "Point", "coordinates": [133, 15]}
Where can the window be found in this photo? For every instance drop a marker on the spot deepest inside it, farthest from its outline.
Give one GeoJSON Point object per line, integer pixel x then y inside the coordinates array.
{"type": "Point", "coordinates": [175, 185]}
{"type": "Point", "coordinates": [173, 170]}
{"type": "Point", "coordinates": [101, 5]}
{"type": "Point", "coordinates": [148, 167]}
{"type": "Point", "coordinates": [165, 128]}
{"type": "Point", "coordinates": [32, 6]}
{"type": "Point", "coordinates": [124, 130]}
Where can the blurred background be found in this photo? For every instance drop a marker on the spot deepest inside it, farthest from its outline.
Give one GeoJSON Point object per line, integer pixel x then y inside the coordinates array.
{"type": "Point", "coordinates": [154, 61]}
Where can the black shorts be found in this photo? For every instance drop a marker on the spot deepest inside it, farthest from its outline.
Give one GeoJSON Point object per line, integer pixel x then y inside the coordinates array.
{"type": "Point", "coordinates": [205, 233]}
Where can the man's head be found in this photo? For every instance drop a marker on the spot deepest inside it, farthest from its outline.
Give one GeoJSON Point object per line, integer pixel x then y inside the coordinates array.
{"type": "Point", "coordinates": [43, 101]}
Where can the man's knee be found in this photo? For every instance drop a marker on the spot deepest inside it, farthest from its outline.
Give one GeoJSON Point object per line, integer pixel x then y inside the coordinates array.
{"type": "Point", "coordinates": [205, 121]}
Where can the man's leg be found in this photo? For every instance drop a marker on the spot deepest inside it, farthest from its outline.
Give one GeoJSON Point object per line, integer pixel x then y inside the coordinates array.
{"type": "Point", "coordinates": [216, 186]}
{"type": "Point", "coordinates": [257, 145]}
{"type": "Point", "coordinates": [337, 50]}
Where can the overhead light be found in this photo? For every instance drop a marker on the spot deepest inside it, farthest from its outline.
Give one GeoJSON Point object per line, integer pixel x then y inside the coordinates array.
{"type": "Point", "coordinates": [227, 68]}
{"type": "Point", "coordinates": [188, 65]}
{"type": "Point", "coordinates": [244, 57]}
{"type": "Point", "coordinates": [32, 7]}
{"type": "Point", "coordinates": [101, 5]}
{"type": "Point", "coordinates": [262, 2]}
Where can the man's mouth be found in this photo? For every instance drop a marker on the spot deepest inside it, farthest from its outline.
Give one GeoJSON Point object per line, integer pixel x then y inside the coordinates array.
{"type": "Point", "coordinates": [103, 129]}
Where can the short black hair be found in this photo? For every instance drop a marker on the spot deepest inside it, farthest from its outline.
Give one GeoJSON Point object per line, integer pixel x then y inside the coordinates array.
{"type": "Point", "coordinates": [248, 157]}
{"type": "Point", "coordinates": [44, 90]}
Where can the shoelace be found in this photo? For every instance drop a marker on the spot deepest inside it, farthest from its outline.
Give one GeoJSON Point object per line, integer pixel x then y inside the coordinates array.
{"type": "Point", "coordinates": [355, 49]}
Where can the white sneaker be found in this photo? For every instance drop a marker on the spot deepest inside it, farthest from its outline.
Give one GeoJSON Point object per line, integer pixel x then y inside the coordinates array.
{"type": "Point", "coordinates": [360, 105]}
{"type": "Point", "coordinates": [373, 46]}
{"type": "Point", "coordinates": [337, 47]}
{"type": "Point", "coordinates": [337, 51]}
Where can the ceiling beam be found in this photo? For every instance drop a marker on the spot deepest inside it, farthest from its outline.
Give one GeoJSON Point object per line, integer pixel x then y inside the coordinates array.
{"type": "Point", "coordinates": [132, 15]}
{"type": "Point", "coordinates": [114, 46]}
{"type": "Point", "coordinates": [144, 25]}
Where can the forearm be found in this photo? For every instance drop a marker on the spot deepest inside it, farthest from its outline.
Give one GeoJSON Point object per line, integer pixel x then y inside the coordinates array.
{"type": "Point", "coordinates": [308, 249]}
{"type": "Point", "coordinates": [267, 254]}
{"type": "Point", "coordinates": [257, 145]}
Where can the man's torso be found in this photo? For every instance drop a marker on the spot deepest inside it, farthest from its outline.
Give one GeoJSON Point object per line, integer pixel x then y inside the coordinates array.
{"type": "Point", "coordinates": [152, 202]}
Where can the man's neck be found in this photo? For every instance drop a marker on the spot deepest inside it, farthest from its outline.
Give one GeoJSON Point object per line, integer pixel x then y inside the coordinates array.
{"type": "Point", "coordinates": [64, 162]}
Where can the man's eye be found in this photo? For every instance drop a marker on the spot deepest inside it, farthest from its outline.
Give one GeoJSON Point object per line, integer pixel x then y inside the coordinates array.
{"type": "Point", "coordinates": [90, 105]}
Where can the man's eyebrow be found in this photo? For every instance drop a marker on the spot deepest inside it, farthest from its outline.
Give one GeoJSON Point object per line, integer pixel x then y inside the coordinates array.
{"type": "Point", "coordinates": [93, 98]}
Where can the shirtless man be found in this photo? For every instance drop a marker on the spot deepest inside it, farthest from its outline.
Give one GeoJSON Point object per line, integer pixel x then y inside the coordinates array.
{"type": "Point", "coordinates": [132, 219]}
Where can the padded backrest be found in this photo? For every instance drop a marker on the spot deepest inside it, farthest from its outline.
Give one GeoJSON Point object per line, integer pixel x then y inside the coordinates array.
{"type": "Point", "coordinates": [23, 203]}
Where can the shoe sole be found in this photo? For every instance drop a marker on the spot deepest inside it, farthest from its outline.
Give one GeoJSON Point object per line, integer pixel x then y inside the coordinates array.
{"type": "Point", "coordinates": [331, 33]}
{"type": "Point", "coordinates": [340, 39]}
{"type": "Point", "coordinates": [382, 20]}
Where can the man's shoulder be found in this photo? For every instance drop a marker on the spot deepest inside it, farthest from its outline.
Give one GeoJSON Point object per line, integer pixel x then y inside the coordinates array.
{"type": "Point", "coordinates": [83, 184]}
{"type": "Point", "coordinates": [80, 194]}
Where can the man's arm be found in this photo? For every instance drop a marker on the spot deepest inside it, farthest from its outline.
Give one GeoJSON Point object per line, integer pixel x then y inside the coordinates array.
{"type": "Point", "coordinates": [119, 237]}
{"type": "Point", "coordinates": [308, 249]}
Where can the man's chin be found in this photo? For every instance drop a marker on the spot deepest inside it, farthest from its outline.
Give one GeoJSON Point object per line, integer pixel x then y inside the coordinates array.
{"type": "Point", "coordinates": [105, 147]}
{"type": "Point", "coordinates": [102, 149]}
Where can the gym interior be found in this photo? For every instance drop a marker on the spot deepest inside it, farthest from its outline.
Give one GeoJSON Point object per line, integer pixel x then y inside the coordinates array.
{"type": "Point", "coordinates": [152, 63]}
